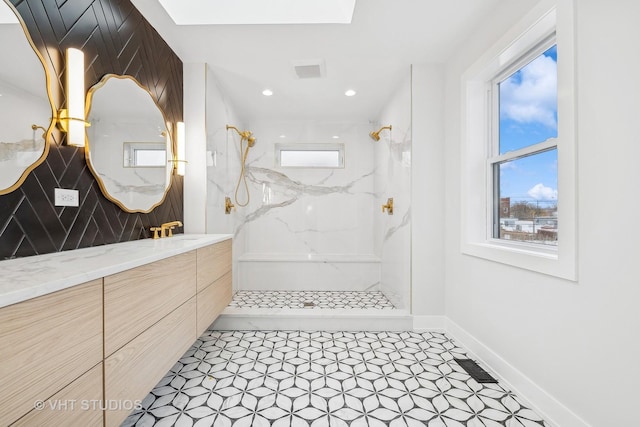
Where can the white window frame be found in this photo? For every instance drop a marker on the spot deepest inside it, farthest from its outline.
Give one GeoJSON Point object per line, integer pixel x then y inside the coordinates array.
{"type": "Point", "coordinates": [495, 158]}
{"type": "Point", "coordinates": [478, 155]}
{"type": "Point", "coordinates": [339, 147]}
{"type": "Point", "coordinates": [131, 149]}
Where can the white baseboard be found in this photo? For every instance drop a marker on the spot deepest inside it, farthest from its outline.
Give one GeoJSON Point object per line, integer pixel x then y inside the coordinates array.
{"type": "Point", "coordinates": [554, 412]}
{"type": "Point", "coordinates": [429, 323]}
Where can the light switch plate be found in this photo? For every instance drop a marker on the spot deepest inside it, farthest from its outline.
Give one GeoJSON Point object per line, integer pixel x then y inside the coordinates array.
{"type": "Point", "coordinates": [64, 197]}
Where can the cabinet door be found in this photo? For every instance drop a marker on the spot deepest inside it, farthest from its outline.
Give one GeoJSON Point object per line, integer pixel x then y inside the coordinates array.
{"type": "Point", "coordinates": [132, 371]}
{"type": "Point", "coordinates": [213, 262]}
{"type": "Point", "coordinates": [78, 404]}
{"type": "Point", "coordinates": [136, 299]}
{"type": "Point", "coordinates": [45, 344]}
{"type": "Point", "coordinates": [212, 300]}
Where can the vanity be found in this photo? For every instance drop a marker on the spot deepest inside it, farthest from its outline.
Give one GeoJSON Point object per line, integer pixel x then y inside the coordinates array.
{"type": "Point", "coordinates": [86, 334]}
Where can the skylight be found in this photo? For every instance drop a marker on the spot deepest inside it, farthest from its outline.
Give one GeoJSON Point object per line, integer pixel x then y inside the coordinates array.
{"type": "Point", "coordinates": [243, 12]}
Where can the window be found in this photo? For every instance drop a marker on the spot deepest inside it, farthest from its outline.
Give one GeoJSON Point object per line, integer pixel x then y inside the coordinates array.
{"type": "Point", "coordinates": [145, 154]}
{"type": "Point", "coordinates": [310, 155]}
{"type": "Point", "coordinates": [518, 185]}
{"type": "Point", "coordinates": [524, 155]}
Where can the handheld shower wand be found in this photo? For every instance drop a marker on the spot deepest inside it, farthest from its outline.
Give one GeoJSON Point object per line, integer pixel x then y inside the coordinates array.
{"type": "Point", "coordinates": [242, 178]}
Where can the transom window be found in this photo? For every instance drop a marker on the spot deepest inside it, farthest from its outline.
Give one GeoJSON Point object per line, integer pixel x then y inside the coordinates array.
{"type": "Point", "coordinates": [310, 155]}
{"type": "Point", "coordinates": [145, 155]}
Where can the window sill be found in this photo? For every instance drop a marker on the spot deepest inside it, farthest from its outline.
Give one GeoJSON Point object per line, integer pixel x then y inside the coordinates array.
{"type": "Point", "coordinates": [549, 261]}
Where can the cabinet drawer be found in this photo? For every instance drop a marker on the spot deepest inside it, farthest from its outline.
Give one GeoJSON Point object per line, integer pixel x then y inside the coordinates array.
{"type": "Point", "coordinates": [45, 344]}
{"type": "Point", "coordinates": [136, 299]}
{"type": "Point", "coordinates": [213, 262]}
{"type": "Point", "coordinates": [132, 371]}
{"type": "Point", "coordinates": [212, 300]}
{"type": "Point", "coordinates": [78, 404]}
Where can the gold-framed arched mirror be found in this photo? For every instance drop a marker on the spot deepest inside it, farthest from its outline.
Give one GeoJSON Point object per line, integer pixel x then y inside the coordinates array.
{"type": "Point", "coordinates": [26, 107]}
{"type": "Point", "coordinates": [129, 148]}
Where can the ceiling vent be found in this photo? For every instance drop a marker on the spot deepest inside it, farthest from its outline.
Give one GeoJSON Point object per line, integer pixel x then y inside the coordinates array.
{"type": "Point", "coordinates": [310, 69]}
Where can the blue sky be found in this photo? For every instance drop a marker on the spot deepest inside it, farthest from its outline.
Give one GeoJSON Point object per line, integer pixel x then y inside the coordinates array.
{"type": "Point", "coordinates": [528, 115]}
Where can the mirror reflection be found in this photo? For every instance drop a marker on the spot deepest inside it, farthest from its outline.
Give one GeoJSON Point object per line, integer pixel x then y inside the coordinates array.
{"type": "Point", "coordinates": [128, 147]}
{"type": "Point", "coordinates": [24, 103]}
{"type": "Point", "coordinates": [144, 155]}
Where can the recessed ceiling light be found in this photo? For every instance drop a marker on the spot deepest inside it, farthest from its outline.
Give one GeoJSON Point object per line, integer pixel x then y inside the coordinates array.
{"type": "Point", "coordinates": [350, 92]}
{"type": "Point", "coordinates": [283, 136]}
{"type": "Point", "coordinates": [335, 137]}
{"type": "Point", "coordinates": [267, 92]}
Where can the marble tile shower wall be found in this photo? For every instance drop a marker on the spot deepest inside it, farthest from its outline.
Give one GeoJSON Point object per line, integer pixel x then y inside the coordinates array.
{"type": "Point", "coordinates": [223, 163]}
{"type": "Point", "coordinates": [393, 179]}
{"type": "Point", "coordinates": [305, 228]}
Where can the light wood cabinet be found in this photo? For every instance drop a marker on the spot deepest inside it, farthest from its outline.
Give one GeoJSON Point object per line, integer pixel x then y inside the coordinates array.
{"type": "Point", "coordinates": [213, 262]}
{"type": "Point", "coordinates": [45, 344]}
{"type": "Point", "coordinates": [103, 345]}
{"type": "Point", "coordinates": [212, 300]}
{"type": "Point", "coordinates": [214, 289]}
{"type": "Point", "coordinates": [132, 371]}
{"type": "Point", "coordinates": [78, 404]}
{"type": "Point", "coordinates": [136, 299]}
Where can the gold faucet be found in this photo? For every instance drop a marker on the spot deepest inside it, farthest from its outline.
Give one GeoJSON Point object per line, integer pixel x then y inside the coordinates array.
{"type": "Point", "coordinates": [169, 226]}
{"type": "Point", "coordinates": [155, 232]}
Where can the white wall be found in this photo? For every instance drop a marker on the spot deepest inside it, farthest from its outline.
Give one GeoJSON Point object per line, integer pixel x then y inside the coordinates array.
{"type": "Point", "coordinates": [428, 196]}
{"type": "Point", "coordinates": [571, 347]}
{"type": "Point", "coordinates": [195, 144]}
{"type": "Point", "coordinates": [393, 179]}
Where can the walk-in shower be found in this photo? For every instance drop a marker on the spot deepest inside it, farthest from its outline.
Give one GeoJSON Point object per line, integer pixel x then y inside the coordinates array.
{"type": "Point", "coordinates": [312, 248]}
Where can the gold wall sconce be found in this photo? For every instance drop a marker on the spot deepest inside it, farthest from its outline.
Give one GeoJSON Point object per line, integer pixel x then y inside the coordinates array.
{"type": "Point", "coordinates": [179, 151]}
{"type": "Point", "coordinates": [71, 120]}
{"type": "Point", "coordinates": [376, 135]}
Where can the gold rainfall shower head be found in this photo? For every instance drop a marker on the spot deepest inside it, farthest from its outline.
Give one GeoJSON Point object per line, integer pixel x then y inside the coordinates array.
{"type": "Point", "coordinates": [376, 135]}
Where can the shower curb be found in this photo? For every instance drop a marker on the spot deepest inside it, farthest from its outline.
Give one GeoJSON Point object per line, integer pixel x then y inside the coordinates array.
{"type": "Point", "coordinates": [313, 319]}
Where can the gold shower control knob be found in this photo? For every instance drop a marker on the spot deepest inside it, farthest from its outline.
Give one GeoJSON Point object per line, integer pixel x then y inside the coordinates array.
{"type": "Point", "coordinates": [228, 205]}
{"type": "Point", "coordinates": [389, 206]}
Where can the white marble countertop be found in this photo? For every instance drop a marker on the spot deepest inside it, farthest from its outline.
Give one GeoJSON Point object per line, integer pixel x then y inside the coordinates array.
{"type": "Point", "coordinates": [25, 278]}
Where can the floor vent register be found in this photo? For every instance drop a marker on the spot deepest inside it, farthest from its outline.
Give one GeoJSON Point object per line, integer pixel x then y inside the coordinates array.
{"type": "Point", "coordinates": [475, 371]}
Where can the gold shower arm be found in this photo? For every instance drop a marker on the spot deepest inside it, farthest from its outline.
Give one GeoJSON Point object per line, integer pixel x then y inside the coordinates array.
{"type": "Point", "coordinates": [376, 135]}
{"type": "Point", "coordinates": [244, 135]}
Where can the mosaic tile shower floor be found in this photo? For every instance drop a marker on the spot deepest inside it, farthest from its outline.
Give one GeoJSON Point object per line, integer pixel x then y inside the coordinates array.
{"type": "Point", "coordinates": [281, 378]}
{"type": "Point", "coordinates": [311, 299]}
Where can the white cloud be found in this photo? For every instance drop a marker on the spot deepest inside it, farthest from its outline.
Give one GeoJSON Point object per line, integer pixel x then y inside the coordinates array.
{"type": "Point", "coordinates": [508, 165]}
{"type": "Point", "coordinates": [531, 97]}
{"type": "Point", "coordinates": [540, 192]}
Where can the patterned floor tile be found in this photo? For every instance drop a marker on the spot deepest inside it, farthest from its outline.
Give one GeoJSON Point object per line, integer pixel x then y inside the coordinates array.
{"type": "Point", "coordinates": [294, 378]}
{"type": "Point", "coordinates": [311, 299]}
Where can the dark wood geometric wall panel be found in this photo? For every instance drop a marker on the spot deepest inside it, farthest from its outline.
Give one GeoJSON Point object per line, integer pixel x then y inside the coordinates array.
{"type": "Point", "coordinates": [115, 39]}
